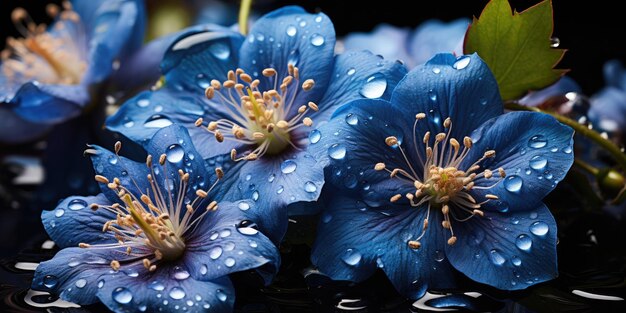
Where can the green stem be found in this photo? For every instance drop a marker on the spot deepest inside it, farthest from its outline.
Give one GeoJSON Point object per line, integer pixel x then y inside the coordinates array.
{"type": "Point", "coordinates": [586, 166]}
{"type": "Point", "coordinates": [609, 146]}
{"type": "Point", "coordinates": [244, 13]}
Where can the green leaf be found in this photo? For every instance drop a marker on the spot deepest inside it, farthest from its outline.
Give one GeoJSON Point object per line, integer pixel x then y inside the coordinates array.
{"type": "Point", "coordinates": [516, 46]}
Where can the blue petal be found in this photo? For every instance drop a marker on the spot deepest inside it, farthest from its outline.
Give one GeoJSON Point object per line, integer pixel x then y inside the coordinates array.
{"type": "Point", "coordinates": [73, 221]}
{"type": "Point", "coordinates": [115, 29]}
{"type": "Point", "coordinates": [608, 110]}
{"type": "Point", "coordinates": [49, 104]}
{"type": "Point", "coordinates": [386, 40]}
{"type": "Point", "coordinates": [534, 149]}
{"type": "Point", "coordinates": [290, 35]}
{"type": "Point", "coordinates": [199, 56]}
{"type": "Point", "coordinates": [73, 274]}
{"type": "Point", "coordinates": [161, 291]}
{"type": "Point", "coordinates": [460, 88]}
{"type": "Point", "coordinates": [560, 88]}
{"type": "Point", "coordinates": [228, 240]}
{"type": "Point", "coordinates": [508, 251]}
{"type": "Point", "coordinates": [614, 74]}
{"type": "Point", "coordinates": [434, 36]}
{"type": "Point", "coordinates": [353, 141]}
{"type": "Point", "coordinates": [16, 130]}
{"type": "Point", "coordinates": [354, 239]}
{"type": "Point", "coordinates": [358, 75]}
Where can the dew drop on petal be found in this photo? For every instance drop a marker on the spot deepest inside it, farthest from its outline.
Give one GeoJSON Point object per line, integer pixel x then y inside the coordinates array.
{"type": "Point", "coordinates": [204, 269]}
{"type": "Point", "coordinates": [100, 283]}
{"type": "Point", "coordinates": [516, 261]}
{"type": "Point", "coordinates": [229, 262]}
{"type": "Point", "coordinates": [496, 257]}
{"type": "Point", "coordinates": [337, 151]}
{"type": "Point", "coordinates": [220, 50]}
{"type": "Point", "coordinates": [175, 153]}
{"type": "Point", "coordinates": [539, 228]}
{"type": "Point", "coordinates": [177, 293]}
{"type": "Point", "coordinates": [461, 63]}
{"type": "Point", "coordinates": [439, 256]}
{"type": "Point", "coordinates": [351, 257]}
{"type": "Point", "coordinates": [81, 283]}
{"type": "Point", "coordinates": [537, 141]}
{"type": "Point", "coordinates": [59, 212]}
{"type": "Point", "coordinates": [293, 57]}
{"type": "Point", "coordinates": [215, 253]}
{"type": "Point", "coordinates": [77, 204]}
{"type": "Point", "coordinates": [538, 162]}
{"type": "Point", "coordinates": [374, 86]}
{"type": "Point", "coordinates": [352, 119]}
{"type": "Point", "coordinates": [221, 295]}
{"type": "Point", "coordinates": [288, 166]}
{"type": "Point", "coordinates": [244, 206]}
{"type": "Point", "coordinates": [317, 40]}
{"type": "Point", "coordinates": [143, 102]}
{"type": "Point", "coordinates": [291, 30]}
{"type": "Point", "coordinates": [310, 187]}
{"type": "Point", "coordinates": [351, 71]}
{"type": "Point", "coordinates": [436, 70]}
{"type": "Point", "coordinates": [225, 233]}
{"type": "Point", "coordinates": [180, 273]}
{"type": "Point", "coordinates": [155, 285]}
{"type": "Point", "coordinates": [122, 295]}
{"type": "Point", "coordinates": [315, 136]}
{"type": "Point", "coordinates": [513, 183]}
{"type": "Point", "coordinates": [157, 121]}
{"type": "Point", "coordinates": [523, 242]}
{"type": "Point", "coordinates": [50, 281]}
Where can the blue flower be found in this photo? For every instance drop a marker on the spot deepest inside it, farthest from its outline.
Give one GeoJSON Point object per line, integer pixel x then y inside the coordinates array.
{"type": "Point", "coordinates": [258, 96]}
{"type": "Point", "coordinates": [158, 237]}
{"type": "Point", "coordinates": [440, 179]}
{"type": "Point", "coordinates": [45, 77]}
{"type": "Point", "coordinates": [608, 106]}
{"type": "Point", "coordinates": [412, 47]}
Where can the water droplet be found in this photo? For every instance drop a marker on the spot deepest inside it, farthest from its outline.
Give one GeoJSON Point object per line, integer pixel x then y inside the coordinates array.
{"type": "Point", "coordinates": [374, 86]}
{"type": "Point", "coordinates": [129, 124]}
{"type": "Point", "coordinates": [293, 57]}
{"type": "Point", "coordinates": [81, 283]}
{"type": "Point", "coordinates": [351, 71]}
{"type": "Point", "coordinates": [143, 102]}
{"type": "Point", "coordinates": [271, 178]}
{"type": "Point", "coordinates": [255, 195]}
{"type": "Point", "coordinates": [379, 263]}
{"type": "Point", "coordinates": [555, 42]}
{"type": "Point", "coordinates": [567, 150]}
{"type": "Point", "coordinates": [523, 242]}
{"type": "Point", "coordinates": [516, 261]}
{"type": "Point", "coordinates": [351, 257]}
{"type": "Point", "coordinates": [157, 121]}
{"type": "Point", "coordinates": [77, 204]}
{"type": "Point", "coordinates": [436, 70]}
{"type": "Point", "coordinates": [496, 257]}
{"type": "Point", "coordinates": [122, 295]}
{"type": "Point", "coordinates": [225, 233]}
{"type": "Point", "coordinates": [206, 305]}
{"type": "Point", "coordinates": [288, 166]}
{"type": "Point", "coordinates": [538, 162]}
{"type": "Point", "coordinates": [229, 246]}
{"type": "Point", "coordinates": [533, 215]}
{"type": "Point", "coordinates": [462, 62]}
{"type": "Point", "coordinates": [291, 30]}
{"type": "Point", "coordinates": [537, 141]}
{"type": "Point", "coordinates": [244, 206]}
{"type": "Point", "coordinates": [513, 183]}
{"type": "Point", "coordinates": [229, 262]}
{"type": "Point", "coordinates": [175, 153]}
{"type": "Point", "coordinates": [302, 23]}
{"type": "Point", "coordinates": [214, 236]}
{"type": "Point", "coordinates": [177, 293]}
{"type": "Point", "coordinates": [50, 281]}
{"type": "Point", "coordinates": [432, 95]}
{"type": "Point", "coordinates": [221, 295]}
{"type": "Point", "coordinates": [310, 187]}
{"type": "Point", "coordinates": [180, 273]}
{"type": "Point", "coordinates": [352, 119]}
{"type": "Point", "coordinates": [337, 151]}
{"type": "Point", "coordinates": [220, 50]}
{"type": "Point", "coordinates": [215, 253]}
{"type": "Point", "coordinates": [317, 40]}
{"type": "Point", "coordinates": [280, 189]}
{"type": "Point", "coordinates": [202, 82]}
{"type": "Point", "coordinates": [539, 228]}
{"type": "Point", "coordinates": [59, 212]}
{"type": "Point", "coordinates": [100, 283]}
{"type": "Point", "coordinates": [315, 136]}
{"type": "Point", "coordinates": [155, 285]}
{"type": "Point", "coordinates": [318, 19]}
{"type": "Point", "coordinates": [204, 269]}
{"type": "Point", "coordinates": [439, 256]}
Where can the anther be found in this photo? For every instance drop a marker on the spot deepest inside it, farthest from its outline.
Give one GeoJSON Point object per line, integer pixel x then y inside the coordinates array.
{"type": "Point", "coordinates": [84, 245]}
{"type": "Point", "coordinates": [413, 244]}
{"type": "Point", "coordinates": [162, 158]}
{"type": "Point", "coordinates": [18, 14]}
{"type": "Point", "coordinates": [440, 137]}
{"type": "Point", "coordinates": [146, 263]}
{"type": "Point", "coordinates": [101, 179]}
{"type": "Point", "coordinates": [452, 240]}
{"type": "Point", "coordinates": [447, 123]}
{"type": "Point", "coordinates": [395, 198]}
{"type": "Point", "coordinates": [467, 142]}
{"type": "Point", "coordinates": [94, 206]}
{"type": "Point", "coordinates": [478, 212]}
{"type": "Point", "coordinates": [152, 268]}
{"type": "Point", "coordinates": [445, 210]}
{"type": "Point", "coordinates": [158, 254]}
{"type": "Point", "coordinates": [246, 78]}
{"type": "Point", "coordinates": [379, 166]}
{"type": "Point", "coordinates": [252, 157]}
{"type": "Point", "coordinates": [216, 84]}
{"type": "Point", "coordinates": [269, 72]}
{"type": "Point", "coordinates": [420, 116]}
{"type": "Point", "coordinates": [209, 93]}
{"type": "Point", "coordinates": [149, 161]}
{"type": "Point", "coordinates": [118, 147]}
{"type": "Point", "coordinates": [282, 124]}
{"type": "Point", "coordinates": [391, 141]}
{"type": "Point", "coordinates": [501, 172]}
{"type": "Point", "coordinates": [212, 126]}
{"type": "Point", "coordinates": [115, 265]}
{"type": "Point", "coordinates": [201, 193]}
{"type": "Point", "coordinates": [219, 172]}
{"type": "Point", "coordinates": [308, 84]}
{"type": "Point", "coordinates": [302, 109]}
{"type": "Point", "coordinates": [258, 135]}
{"type": "Point", "coordinates": [307, 121]}
{"type": "Point", "coordinates": [490, 153]}
{"type": "Point", "coordinates": [212, 206]}
{"type": "Point", "coordinates": [445, 224]}
{"type": "Point", "coordinates": [488, 174]}
{"type": "Point", "coordinates": [219, 136]}
{"type": "Point", "coordinates": [426, 137]}
{"type": "Point", "coordinates": [233, 154]}
{"type": "Point", "coordinates": [313, 106]}
{"type": "Point", "coordinates": [491, 197]}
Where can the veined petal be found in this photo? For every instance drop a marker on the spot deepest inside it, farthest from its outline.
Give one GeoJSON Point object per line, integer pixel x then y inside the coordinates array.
{"type": "Point", "coordinates": [462, 89]}
{"type": "Point", "coordinates": [358, 75]}
{"type": "Point", "coordinates": [354, 239]}
{"type": "Point", "coordinates": [290, 35]}
{"type": "Point", "coordinates": [509, 251]}
{"type": "Point", "coordinates": [535, 151]}
{"type": "Point", "coordinates": [73, 221]}
{"type": "Point", "coordinates": [49, 104]}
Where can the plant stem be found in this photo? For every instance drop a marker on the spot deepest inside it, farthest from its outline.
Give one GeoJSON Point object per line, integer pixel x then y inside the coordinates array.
{"type": "Point", "coordinates": [609, 146]}
{"type": "Point", "coordinates": [586, 166]}
{"type": "Point", "coordinates": [244, 13]}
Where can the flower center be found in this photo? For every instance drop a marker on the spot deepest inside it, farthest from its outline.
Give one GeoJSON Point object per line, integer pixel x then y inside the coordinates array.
{"type": "Point", "coordinates": [154, 223]}
{"type": "Point", "coordinates": [260, 118]}
{"type": "Point", "coordinates": [443, 182]}
{"type": "Point", "coordinates": [51, 57]}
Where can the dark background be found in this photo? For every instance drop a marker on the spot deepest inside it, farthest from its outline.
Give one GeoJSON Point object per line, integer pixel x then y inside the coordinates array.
{"type": "Point", "coordinates": [592, 31]}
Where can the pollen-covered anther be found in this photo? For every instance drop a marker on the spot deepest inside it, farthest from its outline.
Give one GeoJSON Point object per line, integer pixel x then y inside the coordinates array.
{"type": "Point", "coordinates": [84, 245]}
{"type": "Point", "coordinates": [219, 172]}
{"type": "Point", "coordinates": [391, 141]}
{"type": "Point", "coordinates": [307, 121]}
{"type": "Point", "coordinates": [395, 198]}
{"type": "Point", "coordinates": [115, 265]}
{"type": "Point", "coordinates": [379, 166]}
{"type": "Point", "coordinates": [201, 193]}
{"type": "Point", "coordinates": [414, 244]}
{"type": "Point", "coordinates": [452, 240]}
{"type": "Point", "coordinates": [308, 84]}
{"type": "Point", "coordinates": [420, 116]}
{"type": "Point", "coordinates": [101, 179]}
{"type": "Point", "coordinates": [491, 197]}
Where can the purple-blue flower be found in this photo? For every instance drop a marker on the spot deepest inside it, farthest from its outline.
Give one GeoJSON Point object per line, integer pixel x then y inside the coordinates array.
{"type": "Point", "coordinates": [47, 76]}
{"type": "Point", "coordinates": [254, 99]}
{"type": "Point", "coordinates": [158, 237]}
{"type": "Point", "coordinates": [438, 179]}
{"type": "Point", "coordinates": [608, 106]}
{"type": "Point", "coordinates": [412, 47]}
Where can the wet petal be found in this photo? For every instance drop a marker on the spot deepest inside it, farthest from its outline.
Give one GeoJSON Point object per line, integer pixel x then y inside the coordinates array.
{"type": "Point", "coordinates": [462, 89]}
{"type": "Point", "coordinates": [507, 250]}
{"type": "Point", "coordinates": [73, 221]}
{"type": "Point", "coordinates": [354, 239]}
{"type": "Point", "coordinates": [49, 104]}
{"type": "Point", "coordinates": [290, 35]}
{"type": "Point", "coordinates": [535, 151]}
{"type": "Point", "coordinates": [435, 36]}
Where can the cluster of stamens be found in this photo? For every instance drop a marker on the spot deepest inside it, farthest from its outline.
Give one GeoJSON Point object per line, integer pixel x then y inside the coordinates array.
{"type": "Point", "coordinates": [443, 183]}
{"type": "Point", "coordinates": [259, 117]}
{"type": "Point", "coordinates": [152, 224]}
{"type": "Point", "coordinates": [42, 56]}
